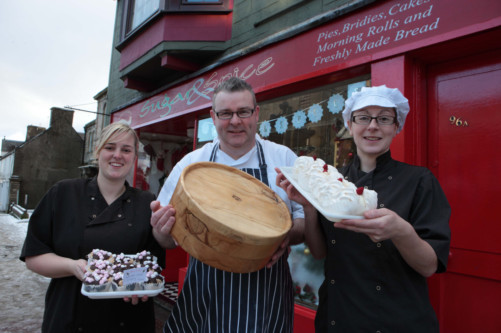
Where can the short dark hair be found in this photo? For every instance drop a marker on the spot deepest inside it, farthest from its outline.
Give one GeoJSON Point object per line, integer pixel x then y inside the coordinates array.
{"type": "Point", "coordinates": [233, 84]}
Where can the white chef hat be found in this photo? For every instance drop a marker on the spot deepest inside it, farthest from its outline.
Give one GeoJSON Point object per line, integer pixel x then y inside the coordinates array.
{"type": "Point", "coordinates": [377, 96]}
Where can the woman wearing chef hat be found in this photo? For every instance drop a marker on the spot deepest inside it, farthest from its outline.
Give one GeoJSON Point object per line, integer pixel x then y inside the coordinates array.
{"type": "Point", "coordinates": [376, 267]}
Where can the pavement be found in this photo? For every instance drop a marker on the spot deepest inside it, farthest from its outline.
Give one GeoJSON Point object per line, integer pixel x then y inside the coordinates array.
{"type": "Point", "coordinates": [23, 292]}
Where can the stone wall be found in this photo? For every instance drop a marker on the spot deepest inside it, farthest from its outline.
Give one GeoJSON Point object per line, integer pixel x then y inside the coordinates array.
{"type": "Point", "coordinates": [51, 156]}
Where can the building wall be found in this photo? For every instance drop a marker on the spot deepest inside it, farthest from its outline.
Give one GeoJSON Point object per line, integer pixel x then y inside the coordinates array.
{"type": "Point", "coordinates": [253, 21]}
{"type": "Point", "coordinates": [103, 115]}
{"type": "Point", "coordinates": [9, 145]}
{"type": "Point", "coordinates": [90, 142]}
{"type": "Point", "coordinates": [32, 131]}
{"type": "Point", "coordinates": [51, 156]}
{"type": "Point", "coordinates": [117, 94]}
{"type": "Point", "coordinates": [6, 164]}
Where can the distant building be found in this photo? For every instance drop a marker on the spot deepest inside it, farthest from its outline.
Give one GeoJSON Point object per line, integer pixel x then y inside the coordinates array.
{"type": "Point", "coordinates": [103, 114]}
{"type": "Point", "coordinates": [9, 145]}
{"type": "Point", "coordinates": [89, 166]}
{"type": "Point", "coordinates": [92, 131]}
{"type": "Point", "coordinates": [47, 156]}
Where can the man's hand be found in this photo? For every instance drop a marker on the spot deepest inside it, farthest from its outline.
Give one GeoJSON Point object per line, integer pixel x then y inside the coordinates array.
{"type": "Point", "coordinates": [162, 221]}
{"type": "Point", "coordinates": [291, 191]}
{"type": "Point", "coordinates": [279, 252]}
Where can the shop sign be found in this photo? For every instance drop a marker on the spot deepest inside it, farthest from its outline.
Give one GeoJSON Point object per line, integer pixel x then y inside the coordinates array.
{"type": "Point", "coordinates": [384, 29]}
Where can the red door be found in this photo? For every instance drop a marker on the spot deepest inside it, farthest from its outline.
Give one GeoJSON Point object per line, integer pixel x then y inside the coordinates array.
{"type": "Point", "coordinates": [465, 155]}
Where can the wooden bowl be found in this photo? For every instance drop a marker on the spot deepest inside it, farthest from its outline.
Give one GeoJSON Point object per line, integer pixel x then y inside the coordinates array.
{"type": "Point", "coordinates": [226, 218]}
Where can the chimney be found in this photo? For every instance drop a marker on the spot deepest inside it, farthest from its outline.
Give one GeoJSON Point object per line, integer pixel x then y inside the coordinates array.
{"type": "Point", "coordinates": [33, 131]}
{"type": "Point", "coordinates": [60, 118]}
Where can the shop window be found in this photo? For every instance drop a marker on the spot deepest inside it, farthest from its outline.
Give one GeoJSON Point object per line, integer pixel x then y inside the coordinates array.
{"type": "Point", "coordinates": [310, 123]}
{"type": "Point", "coordinates": [157, 155]}
{"type": "Point", "coordinates": [143, 169]}
{"type": "Point", "coordinates": [206, 131]}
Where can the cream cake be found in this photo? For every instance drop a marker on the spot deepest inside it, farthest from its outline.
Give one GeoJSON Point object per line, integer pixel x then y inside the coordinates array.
{"type": "Point", "coordinates": [330, 189]}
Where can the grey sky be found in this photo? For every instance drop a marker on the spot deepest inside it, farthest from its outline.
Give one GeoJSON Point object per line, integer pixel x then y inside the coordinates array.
{"type": "Point", "coordinates": [53, 53]}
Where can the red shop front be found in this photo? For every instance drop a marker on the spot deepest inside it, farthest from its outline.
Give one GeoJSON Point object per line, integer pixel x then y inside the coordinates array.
{"type": "Point", "coordinates": [446, 58]}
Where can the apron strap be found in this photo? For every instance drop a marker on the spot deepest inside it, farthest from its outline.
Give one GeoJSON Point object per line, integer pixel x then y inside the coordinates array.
{"type": "Point", "coordinates": [213, 153]}
{"type": "Point", "coordinates": [262, 163]}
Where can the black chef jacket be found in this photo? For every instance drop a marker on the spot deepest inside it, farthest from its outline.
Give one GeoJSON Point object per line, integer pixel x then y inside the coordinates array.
{"type": "Point", "coordinates": [72, 219]}
{"type": "Point", "coordinates": [368, 287]}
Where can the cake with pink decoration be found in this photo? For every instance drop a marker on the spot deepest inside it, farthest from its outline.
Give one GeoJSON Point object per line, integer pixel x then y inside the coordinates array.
{"type": "Point", "coordinates": [105, 271]}
{"type": "Point", "coordinates": [98, 254]}
{"type": "Point", "coordinates": [97, 281]}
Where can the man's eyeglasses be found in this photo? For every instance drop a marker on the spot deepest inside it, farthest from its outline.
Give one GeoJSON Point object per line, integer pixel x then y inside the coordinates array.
{"type": "Point", "coordinates": [243, 113]}
{"type": "Point", "coordinates": [366, 120]}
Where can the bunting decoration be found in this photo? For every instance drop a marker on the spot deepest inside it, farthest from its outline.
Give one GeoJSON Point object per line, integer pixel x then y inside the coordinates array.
{"type": "Point", "coordinates": [281, 125]}
{"type": "Point", "coordinates": [265, 128]}
{"type": "Point", "coordinates": [314, 113]}
{"type": "Point", "coordinates": [335, 104]}
{"type": "Point", "coordinates": [299, 119]}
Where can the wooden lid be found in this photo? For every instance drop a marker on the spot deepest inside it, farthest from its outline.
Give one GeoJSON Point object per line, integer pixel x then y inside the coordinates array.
{"type": "Point", "coordinates": [225, 216]}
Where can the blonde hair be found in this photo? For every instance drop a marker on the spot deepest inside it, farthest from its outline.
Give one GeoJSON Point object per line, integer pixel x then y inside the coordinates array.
{"type": "Point", "coordinates": [115, 129]}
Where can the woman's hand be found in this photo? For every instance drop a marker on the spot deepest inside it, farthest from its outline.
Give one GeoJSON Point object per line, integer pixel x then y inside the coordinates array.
{"type": "Point", "coordinates": [54, 266]}
{"type": "Point", "coordinates": [135, 299]}
{"type": "Point", "coordinates": [384, 224]}
{"type": "Point", "coordinates": [79, 268]}
{"type": "Point", "coordinates": [379, 225]}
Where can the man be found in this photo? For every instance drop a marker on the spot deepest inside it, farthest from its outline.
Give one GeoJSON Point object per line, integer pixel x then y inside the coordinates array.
{"type": "Point", "coordinates": [212, 299]}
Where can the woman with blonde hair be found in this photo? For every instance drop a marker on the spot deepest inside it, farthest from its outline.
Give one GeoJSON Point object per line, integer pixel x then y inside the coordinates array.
{"type": "Point", "coordinates": [78, 215]}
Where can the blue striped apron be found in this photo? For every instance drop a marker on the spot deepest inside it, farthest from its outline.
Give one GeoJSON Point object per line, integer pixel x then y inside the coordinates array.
{"type": "Point", "coordinates": [213, 300]}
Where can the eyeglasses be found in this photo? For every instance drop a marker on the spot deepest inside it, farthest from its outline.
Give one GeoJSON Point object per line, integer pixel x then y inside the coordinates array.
{"type": "Point", "coordinates": [366, 120]}
{"type": "Point", "coordinates": [225, 115]}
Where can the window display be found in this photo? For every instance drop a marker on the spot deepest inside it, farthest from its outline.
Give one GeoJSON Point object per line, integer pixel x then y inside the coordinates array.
{"type": "Point", "coordinates": [206, 131]}
{"type": "Point", "coordinates": [310, 123]}
{"type": "Point", "coordinates": [156, 158]}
